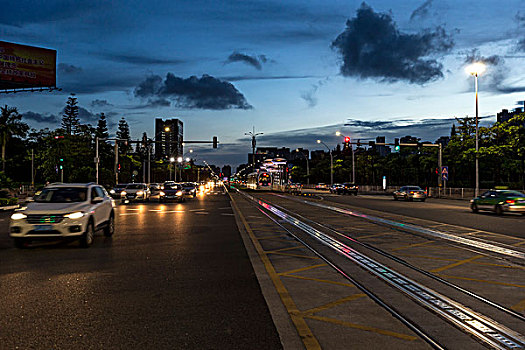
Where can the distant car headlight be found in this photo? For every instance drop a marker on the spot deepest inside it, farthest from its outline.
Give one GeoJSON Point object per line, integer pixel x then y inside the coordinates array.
{"type": "Point", "coordinates": [112, 191]}
{"type": "Point", "coordinates": [18, 216]}
{"type": "Point", "coordinates": [162, 193]}
{"type": "Point", "coordinates": [123, 193]}
{"type": "Point", "coordinates": [75, 215]}
{"type": "Point", "coordinates": [179, 193]}
{"type": "Point", "coordinates": [140, 193]}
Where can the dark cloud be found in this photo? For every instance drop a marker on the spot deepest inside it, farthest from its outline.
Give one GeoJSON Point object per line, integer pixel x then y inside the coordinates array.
{"type": "Point", "coordinates": [310, 95]}
{"type": "Point", "coordinates": [205, 92]}
{"type": "Point", "coordinates": [140, 60]}
{"type": "Point", "coordinates": [422, 11]}
{"type": "Point", "coordinates": [520, 18]}
{"type": "Point", "coordinates": [41, 118]}
{"type": "Point", "coordinates": [280, 77]}
{"type": "Point", "coordinates": [254, 61]}
{"type": "Point", "coordinates": [373, 47]}
{"type": "Point", "coordinates": [153, 103]}
{"type": "Point", "coordinates": [64, 68]}
{"type": "Point", "coordinates": [100, 103]}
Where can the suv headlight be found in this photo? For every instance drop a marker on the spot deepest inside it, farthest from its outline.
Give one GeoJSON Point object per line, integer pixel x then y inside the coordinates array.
{"type": "Point", "coordinates": [140, 193]}
{"type": "Point", "coordinates": [75, 215]}
{"type": "Point", "coordinates": [162, 193]}
{"type": "Point", "coordinates": [18, 216]}
{"type": "Point", "coordinates": [112, 191]}
{"type": "Point", "coordinates": [123, 193]}
{"type": "Point", "coordinates": [179, 193]}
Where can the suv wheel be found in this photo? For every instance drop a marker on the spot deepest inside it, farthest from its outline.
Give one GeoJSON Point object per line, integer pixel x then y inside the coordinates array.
{"type": "Point", "coordinates": [109, 230]}
{"type": "Point", "coordinates": [498, 210]}
{"type": "Point", "coordinates": [87, 237]}
{"type": "Point", "coordinates": [474, 208]}
{"type": "Point", "coordinates": [21, 243]}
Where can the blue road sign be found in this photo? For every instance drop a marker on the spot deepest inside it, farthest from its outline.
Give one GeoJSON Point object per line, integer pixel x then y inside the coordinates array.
{"type": "Point", "coordinates": [444, 173]}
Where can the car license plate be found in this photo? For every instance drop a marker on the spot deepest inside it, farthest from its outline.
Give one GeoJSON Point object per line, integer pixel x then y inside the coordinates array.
{"type": "Point", "coordinates": [43, 227]}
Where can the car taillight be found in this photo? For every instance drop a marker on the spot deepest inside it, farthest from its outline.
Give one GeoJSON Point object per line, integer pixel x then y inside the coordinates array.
{"type": "Point", "coordinates": [411, 192]}
{"type": "Point", "coordinates": [510, 201]}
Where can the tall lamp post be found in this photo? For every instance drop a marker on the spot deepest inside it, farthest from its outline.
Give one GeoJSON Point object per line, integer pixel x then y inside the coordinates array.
{"type": "Point", "coordinates": [307, 166]}
{"type": "Point", "coordinates": [475, 69]}
{"type": "Point", "coordinates": [331, 162]}
{"type": "Point", "coordinates": [338, 133]}
{"type": "Point", "coordinates": [253, 135]}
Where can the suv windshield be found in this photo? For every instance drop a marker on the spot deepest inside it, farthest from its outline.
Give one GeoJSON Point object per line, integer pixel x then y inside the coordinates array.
{"type": "Point", "coordinates": [135, 187]}
{"type": "Point", "coordinates": [171, 186]}
{"type": "Point", "coordinates": [62, 195]}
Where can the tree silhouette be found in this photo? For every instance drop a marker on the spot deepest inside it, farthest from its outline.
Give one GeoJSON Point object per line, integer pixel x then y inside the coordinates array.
{"type": "Point", "coordinates": [70, 119]}
{"type": "Point", "coordinates": [10, 125]}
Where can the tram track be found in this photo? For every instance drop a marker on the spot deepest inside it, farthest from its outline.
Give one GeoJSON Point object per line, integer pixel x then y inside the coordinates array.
{"type": "Point", "coordinates": [485, 329]}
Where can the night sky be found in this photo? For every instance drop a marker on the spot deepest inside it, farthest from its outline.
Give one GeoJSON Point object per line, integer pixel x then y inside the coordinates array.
{"type": "Point", "coordinates": [296, 70]}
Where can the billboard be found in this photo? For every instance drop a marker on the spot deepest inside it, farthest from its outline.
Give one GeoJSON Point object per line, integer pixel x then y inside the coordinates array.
{"type": "Point", "coordinates": [23, 66]}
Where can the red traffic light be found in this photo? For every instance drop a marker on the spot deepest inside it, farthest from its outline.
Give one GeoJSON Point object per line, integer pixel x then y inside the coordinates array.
{"type": "Point", "coordinates": [59, 137]}
{"type": "Point", "coordinates": [347, 139]}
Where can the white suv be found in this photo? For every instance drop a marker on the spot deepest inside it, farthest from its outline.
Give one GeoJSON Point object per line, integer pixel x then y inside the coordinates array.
{"type": "Point", "coordinates": [64, 211]}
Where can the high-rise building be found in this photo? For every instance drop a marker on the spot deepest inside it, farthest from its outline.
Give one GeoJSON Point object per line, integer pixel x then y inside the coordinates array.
{"type": "Point", "coordinates": [169, 137]}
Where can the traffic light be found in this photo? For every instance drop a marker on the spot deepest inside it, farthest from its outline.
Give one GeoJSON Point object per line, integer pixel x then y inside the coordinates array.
{"type": "Point", "coordinates": [347, 142]}
{"type": "Point", "coordinates": [61, 166]}
{"type": "Point", "coordinates": [215, 141]}
{"type": "Point", "coordinates": [118, 168]}
{"type": "Point", "coordinates": [396, 145]}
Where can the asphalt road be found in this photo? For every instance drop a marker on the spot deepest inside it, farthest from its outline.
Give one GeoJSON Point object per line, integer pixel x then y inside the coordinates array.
{"type": "Point", "coordinates": [174, 276]}
{"type": "Point", "coordinates": [453, 212]}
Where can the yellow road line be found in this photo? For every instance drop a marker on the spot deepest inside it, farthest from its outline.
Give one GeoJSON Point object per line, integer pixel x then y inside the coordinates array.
{"type": "Point", "coordinates": [309, 341]}
{"type": "Point", "coordinates": [332, 304]}
{"type": "Point", "coordinates": [364, 328]}
{"type": "Point", "coordinates": [427, 257]}
{"type": "Point", "coordinates": [519, 306]}
{"type": "Point", "coordinates": [302, 269]}
{"type": "Point", "coordinates": [295, 255]}
{"type": "Point", "coordinates": [482, 281]}
{"type": "Point", "coordinates": [413, 245]}
{"type": "Point", "coordinates": [457, 263]}
{"type": "Point", "coordinates": [283, 249]}
{"type": "Point", "coordinates": [319, 280]}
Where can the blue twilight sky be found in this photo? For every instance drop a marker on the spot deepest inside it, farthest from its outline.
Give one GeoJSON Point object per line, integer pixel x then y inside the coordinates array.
{"type": "Point", "coordinates": [296, 70]}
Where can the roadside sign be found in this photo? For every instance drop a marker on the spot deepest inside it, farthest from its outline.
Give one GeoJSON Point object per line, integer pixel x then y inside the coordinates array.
{"type": "Point", "coordinates": [444, 173]}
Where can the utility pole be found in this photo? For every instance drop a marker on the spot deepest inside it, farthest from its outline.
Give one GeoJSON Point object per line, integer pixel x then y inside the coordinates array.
{"type": "Point", "coordinates": [96, 158]}
{"type": "Point", "coordinates": [32, 169]}
{"type": "Point", "coordinates": [116, 162]}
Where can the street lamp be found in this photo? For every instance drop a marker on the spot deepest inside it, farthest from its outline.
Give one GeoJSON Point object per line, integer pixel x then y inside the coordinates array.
{"type": "Point", "coordinates": [307, 166]}
{"type": "Point", "coordinates": [331, 162]}
{"type": "Point", "coordinates": [338, 133]}
{"type": "Point", "coordinates": [475, 69]}
{"type": "Point", "coordinates": [172, 159]}
{"type": "Point", "coordinates": [253, 135]}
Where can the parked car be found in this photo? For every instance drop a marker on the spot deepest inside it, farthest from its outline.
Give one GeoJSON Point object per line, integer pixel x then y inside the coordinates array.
{"type": "Point", "coordinates": [499, 201]}
{"type": "Point", "coordinates": [171, 191]}
{"type": "Point", "coordinates": [64, 211]}
{"type": "Point", "coordinates": [117, 190]}
{"type": "Point", "coordinates": [189, 189]}
{"type": "Point", "coordinates": [135, 192]}
{"type": "Point", "coordinates": [334, 187]}
{"type": "Point", "coordinates": [294, 188]}
{"type": "Point", "coordinates": [347, 188]}
{"type": "Point", "coordinates": [410, 193]}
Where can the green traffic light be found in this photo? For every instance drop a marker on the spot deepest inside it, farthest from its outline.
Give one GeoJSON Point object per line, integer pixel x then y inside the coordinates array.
{"type": "Point", "coordinates": [61, 159]}
{"type": "Point", "coordinates": [397, 148]}
{"type": "Point", "coordinates": [61, 167]}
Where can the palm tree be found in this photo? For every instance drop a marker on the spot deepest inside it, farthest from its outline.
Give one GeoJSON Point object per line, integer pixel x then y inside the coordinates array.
{"type": "Point", "coordinates": [10, 125]}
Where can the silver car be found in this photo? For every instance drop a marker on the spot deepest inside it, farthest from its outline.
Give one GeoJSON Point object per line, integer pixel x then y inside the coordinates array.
{"type": "Point", "coordinates": [410, 193]}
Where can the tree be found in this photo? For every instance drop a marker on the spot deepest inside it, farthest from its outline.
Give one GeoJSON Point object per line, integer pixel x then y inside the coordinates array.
{"type": "Point", "coordinates": [70, 119]}
{"type": "Point", "coordinates": [102, 127]}
{"type": "Point", "coordinates": [10, 125]}
{"type": "Point", "coordinates": [123, 133]}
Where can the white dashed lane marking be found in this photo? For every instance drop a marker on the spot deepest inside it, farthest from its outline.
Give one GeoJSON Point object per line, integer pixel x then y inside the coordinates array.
{"type": "Point", "coordinates": [227, 214]}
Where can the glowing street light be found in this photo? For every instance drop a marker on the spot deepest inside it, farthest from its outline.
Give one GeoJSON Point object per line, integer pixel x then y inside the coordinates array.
{"type": "Point", "coordinates": [476, 69]}
{"type": "Point", "coordinates": [331, 162]}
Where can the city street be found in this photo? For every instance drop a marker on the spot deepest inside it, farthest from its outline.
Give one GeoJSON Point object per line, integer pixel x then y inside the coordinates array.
{"type": "Point", "coordinates": [174, 276]}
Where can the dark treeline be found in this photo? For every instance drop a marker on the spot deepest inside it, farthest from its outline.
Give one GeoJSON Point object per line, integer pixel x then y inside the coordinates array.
{"type": "Point", "coordinates": [72, 147]}
{"type": "Point", "coordinates": [501, 160]}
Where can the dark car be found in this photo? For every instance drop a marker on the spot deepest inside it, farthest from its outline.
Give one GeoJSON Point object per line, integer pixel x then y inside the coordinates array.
{"type": "Point", "coordinates": [347, 188]}
{"type": "Point", "coordinates": [171, 191]}
{"type": "Point", "coordinates": [189, 189]}
{"type": "Point", "coordinates": [499, 201]}
{"type": "Point", "coordinates": [410, 193]}
{"type": "Point", "coordinates": [334, 187]}
{"type": "Point", "coordinates": [115, 192]}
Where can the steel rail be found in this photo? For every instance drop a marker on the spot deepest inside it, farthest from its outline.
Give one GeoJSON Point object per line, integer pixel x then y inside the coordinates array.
{"type": "Point", "coordinates": [482, 327]}
{"type": "Point", "coordinates": [409, 265]}
{"type": "Point", "coordinates": [499, 249]}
